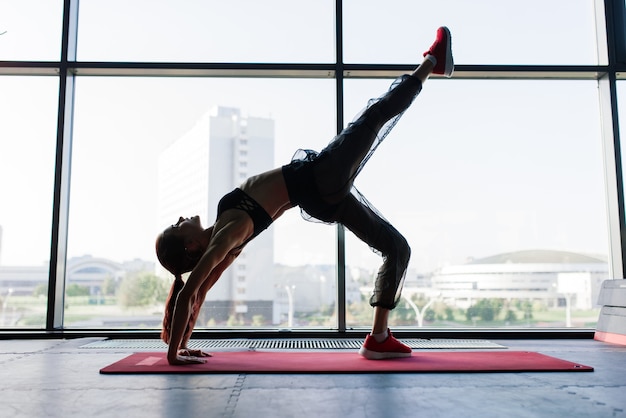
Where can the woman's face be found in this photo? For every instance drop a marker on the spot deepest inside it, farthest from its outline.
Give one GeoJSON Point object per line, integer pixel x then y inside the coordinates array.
{"type": "Point", "coordinates": [188, 223]}
{"type": "Point", "coordinates": [186, 227]}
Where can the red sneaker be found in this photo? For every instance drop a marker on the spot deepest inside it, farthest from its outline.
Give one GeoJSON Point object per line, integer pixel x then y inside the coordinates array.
{"type": "Point", "coordinates": [390, 348]}
{"type": "Point", "coordinates": [441, 49]}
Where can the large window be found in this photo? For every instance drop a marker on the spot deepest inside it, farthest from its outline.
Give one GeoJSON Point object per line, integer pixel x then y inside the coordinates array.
{"type": "Point", "coordinates": [621, 106]}
{"type": "Point", "coordinates": [27, 154]}
{"type": "Point", "coordinates": [484, 31]}
{"type": "Point", "coordinates": [134, 135]}
{"type": "Point", "coordinates": [31, 30]}
{"type": "Point", "coordinates": [498, 187]}
{"type": "Point", "coordinates": [207, 31]}
{"type": "Point", "coordinates": [496, 177]}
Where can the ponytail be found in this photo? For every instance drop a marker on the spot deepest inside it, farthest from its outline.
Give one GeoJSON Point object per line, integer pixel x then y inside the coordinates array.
{"type": "Point", "coordinates": [170, 303]}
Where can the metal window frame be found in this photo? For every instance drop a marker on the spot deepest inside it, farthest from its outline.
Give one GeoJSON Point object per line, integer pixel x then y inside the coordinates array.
{"type": "Point", "coordinates": [611, 35]}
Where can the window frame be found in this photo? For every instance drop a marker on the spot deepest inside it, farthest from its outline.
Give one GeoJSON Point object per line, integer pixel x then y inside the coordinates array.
{"type": "Point", "coordinates": [610, 19]}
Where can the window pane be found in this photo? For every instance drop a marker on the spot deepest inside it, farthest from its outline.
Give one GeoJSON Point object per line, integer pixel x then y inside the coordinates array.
{"type": "Point", "coordinates": [211, 31]}
{"type": "Point", "coordinates": [148, 150]}
{"type": "Point", "coordinates": [498, 187]}
{"type": "Point", "coordinates": [30, 30]}
{"type": "Point", "coordinates": [621, 108]}
{"type": "Point", "coordinates": [27, 155]}
{"type": "Point", "coordinates": [529, 32]}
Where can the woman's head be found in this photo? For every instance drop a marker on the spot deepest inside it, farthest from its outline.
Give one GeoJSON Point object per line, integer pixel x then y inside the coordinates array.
{"type": "Point", "coordinates": [178, 248]}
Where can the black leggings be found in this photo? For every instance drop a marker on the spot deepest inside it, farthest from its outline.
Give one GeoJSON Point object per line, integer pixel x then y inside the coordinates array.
{"type": "Point", "coordinates": [322, 185]}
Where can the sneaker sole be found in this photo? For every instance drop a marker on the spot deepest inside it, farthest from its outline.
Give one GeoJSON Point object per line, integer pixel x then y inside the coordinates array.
{"type": "Point", "coordinates": [449, 59]}
{"type": "Point", "coordinates": [376, 355]}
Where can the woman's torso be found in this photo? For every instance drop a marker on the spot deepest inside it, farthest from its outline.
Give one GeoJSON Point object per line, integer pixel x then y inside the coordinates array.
{"type": "Point", "coordinates": [269, 191]}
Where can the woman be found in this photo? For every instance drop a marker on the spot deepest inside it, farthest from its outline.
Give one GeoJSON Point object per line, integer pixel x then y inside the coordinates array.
{"type": "Point", "coordinates": [322, 185]}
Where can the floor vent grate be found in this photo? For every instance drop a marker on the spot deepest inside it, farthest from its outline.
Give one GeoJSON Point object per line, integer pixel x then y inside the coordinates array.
{"type": "Point", "coordinates": [290, 344]}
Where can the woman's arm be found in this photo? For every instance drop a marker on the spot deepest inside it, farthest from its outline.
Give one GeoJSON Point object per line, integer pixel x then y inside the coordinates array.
{"type": "Point", "coordinates": [204, 289]}
{"type": "Point", "coordinates": [216, 258]}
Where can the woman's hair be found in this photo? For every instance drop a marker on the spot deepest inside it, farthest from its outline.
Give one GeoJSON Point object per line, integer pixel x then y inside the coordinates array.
{"type": "Point", "coordinates": [170, 250]}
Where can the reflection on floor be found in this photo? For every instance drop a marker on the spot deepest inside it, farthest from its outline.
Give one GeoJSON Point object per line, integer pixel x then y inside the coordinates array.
{"type": "Point", "coordinates": [60, 378]}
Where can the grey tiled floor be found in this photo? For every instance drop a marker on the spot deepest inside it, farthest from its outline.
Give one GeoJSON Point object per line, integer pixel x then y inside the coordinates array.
{"type": "Point", "coordinates": [58, 378]}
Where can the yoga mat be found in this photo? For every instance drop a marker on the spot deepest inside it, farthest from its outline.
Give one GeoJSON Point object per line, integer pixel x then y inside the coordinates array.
{"type": "Point", "coordinates": [335, 362]}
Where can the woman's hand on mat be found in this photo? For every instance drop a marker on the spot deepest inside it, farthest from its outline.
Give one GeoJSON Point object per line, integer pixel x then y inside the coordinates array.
{"type": "Point", "coordinates": [180, 360]}
{"type": "Point", "coordinates": [188, 356]}
{"type": "Point", "coordinates": [193, 353]}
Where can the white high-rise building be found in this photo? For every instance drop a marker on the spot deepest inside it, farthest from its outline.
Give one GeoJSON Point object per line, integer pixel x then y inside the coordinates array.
{"type": "Point", "coordinates": [215, 156]}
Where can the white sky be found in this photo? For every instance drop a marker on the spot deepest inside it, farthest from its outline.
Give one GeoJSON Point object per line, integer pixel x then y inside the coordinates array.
{"type": "Point", "coordinates": [474, 168]}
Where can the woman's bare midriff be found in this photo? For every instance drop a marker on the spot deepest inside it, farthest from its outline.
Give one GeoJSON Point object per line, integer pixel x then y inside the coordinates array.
{"type": "Point", "coordinates": [270, 191]}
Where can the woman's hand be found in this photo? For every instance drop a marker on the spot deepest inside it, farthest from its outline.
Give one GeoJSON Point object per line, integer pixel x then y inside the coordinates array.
{"type": "Point", "coordinates": [193, 353]}
{"type": "Point", "coordinates": [187, 356]}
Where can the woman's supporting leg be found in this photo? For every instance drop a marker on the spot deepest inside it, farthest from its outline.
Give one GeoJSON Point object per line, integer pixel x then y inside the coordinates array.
{"type": "Point", "coordinates": [383, 238]}
{"type": "Point", "coordinates": [380, 323]}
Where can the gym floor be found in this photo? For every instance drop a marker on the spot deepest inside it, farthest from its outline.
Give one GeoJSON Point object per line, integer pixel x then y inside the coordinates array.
{"type": "Point", "coordinates": [60, 378]}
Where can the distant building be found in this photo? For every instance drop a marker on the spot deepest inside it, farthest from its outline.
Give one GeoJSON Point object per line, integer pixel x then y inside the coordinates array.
{"type": "Point", "coordinates": [553, 276]}
{"type": "Point", "coordinates": [87, 271]}
{"type": "Point", "coordinates": [220, 152]}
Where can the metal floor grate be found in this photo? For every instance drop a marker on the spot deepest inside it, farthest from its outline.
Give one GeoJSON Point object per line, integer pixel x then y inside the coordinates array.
{"type": "Point", "coordinates": [290, 344]}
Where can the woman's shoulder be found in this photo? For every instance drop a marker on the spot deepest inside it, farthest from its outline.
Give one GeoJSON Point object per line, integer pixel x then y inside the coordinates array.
{"type": "Point", "coordinates": [230, 231]}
